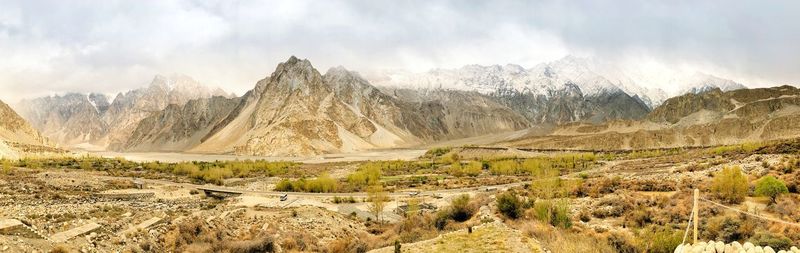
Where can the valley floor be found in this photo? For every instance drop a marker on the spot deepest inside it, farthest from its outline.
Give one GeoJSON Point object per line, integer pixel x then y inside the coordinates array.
{"type": "Point", "coordinates": [372, 155]}
{"type": "Point", "coordinates": [466, 199]}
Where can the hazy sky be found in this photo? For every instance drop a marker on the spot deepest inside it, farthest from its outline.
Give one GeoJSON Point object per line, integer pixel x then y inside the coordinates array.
{"type": "Point", "coordinates": [50, 47]}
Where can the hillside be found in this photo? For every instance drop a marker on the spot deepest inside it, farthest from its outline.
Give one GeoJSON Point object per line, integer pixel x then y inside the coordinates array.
{"type": "Point", "coordinates": [710, 118]}
{"type": "Point", "coordinates": [177, 127]}
{"type": "Point", "coordinates": [16, 133]}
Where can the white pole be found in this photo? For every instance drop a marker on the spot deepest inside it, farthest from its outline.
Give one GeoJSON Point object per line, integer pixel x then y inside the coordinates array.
{"type": "Point", "coordinates": [695, 213]}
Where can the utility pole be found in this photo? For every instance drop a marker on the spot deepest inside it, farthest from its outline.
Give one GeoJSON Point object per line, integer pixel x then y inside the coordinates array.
{"type": "Point", "coordinates": [695, 213]}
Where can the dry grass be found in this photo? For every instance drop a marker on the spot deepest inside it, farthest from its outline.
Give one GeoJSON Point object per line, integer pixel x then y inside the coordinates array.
{"type": "Point", "coordinates": [564, 240]}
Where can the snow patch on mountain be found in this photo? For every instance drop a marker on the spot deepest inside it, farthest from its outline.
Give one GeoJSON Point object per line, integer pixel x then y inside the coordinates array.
{"type": "Point", "coordinates": [590, 76]}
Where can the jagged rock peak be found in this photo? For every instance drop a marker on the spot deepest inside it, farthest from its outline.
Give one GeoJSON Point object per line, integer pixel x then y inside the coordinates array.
{"type": "Point", "coordinates": [340, 72]}
{"type": "Point", "coordinates": [296, 74]}
{"type": "Point", "coordinates": [294, 64]}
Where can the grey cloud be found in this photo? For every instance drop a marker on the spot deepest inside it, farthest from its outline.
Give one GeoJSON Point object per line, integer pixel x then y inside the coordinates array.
{"type": "Point", "coordinates": [110, 46]}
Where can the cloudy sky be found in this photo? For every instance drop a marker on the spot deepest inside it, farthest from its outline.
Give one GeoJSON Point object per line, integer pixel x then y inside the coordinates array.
{"type": "Point", "coordinates": [52, 47]}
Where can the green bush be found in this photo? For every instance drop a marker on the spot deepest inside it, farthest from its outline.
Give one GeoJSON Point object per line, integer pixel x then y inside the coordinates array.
{"type": "Point", "coordinates": [323, 183]}
{"type": "Point", "coordinates": [367, 174]}
{"type": "Point", "coordinates": [509, 205]}
{"type": "Point", "coordinates": [730, 185]}
{"type": "Point", "coordinates": [777, 242]}
{"type": "Point", "coordinates": [556, 214]}
{"type": "Point", "coordinates": [771, 187]}
{"type": "Point", "coordinates": [659, 239]}
{"type": "Point", "coordinates": [460, 208]}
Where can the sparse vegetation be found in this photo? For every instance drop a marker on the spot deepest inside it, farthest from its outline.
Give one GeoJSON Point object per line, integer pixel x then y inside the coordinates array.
{"type": "Point", "coordinates": [6, 169]}
{"type": "Point", "coordinates": [377, 198]}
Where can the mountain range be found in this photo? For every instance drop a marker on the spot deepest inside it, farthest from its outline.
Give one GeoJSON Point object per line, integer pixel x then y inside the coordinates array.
{"type": "Point", "coordinates": [297, 111]}
{"type": "Point", "coordinates": [92, 122]}
{"type": "Point", "coordinates": [714, 117]}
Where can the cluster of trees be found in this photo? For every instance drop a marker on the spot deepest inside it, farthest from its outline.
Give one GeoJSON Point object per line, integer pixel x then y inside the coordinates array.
{"type": "Point", "coordinates": [322, 183]}
{"type": "Point", "coordinates": [732, 186]}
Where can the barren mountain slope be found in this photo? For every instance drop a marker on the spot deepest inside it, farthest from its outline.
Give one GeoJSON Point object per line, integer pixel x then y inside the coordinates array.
{"type": "Point", "coordinates": [177, 128]}
{"type": "Point", "coordinates": [70, 119]}
{"type": "Point", "coordinates": [710, 118]}
{"type": "Point", "coordinates": [290, 113]}
{"type": "Point", "coordinates": [296, 111]}
{"type": "Point", "coordinates": [15, 131]}
{"type": "Point", "coordinates": [124, 114]}
{"type": "Point", "coordinates": [429, 115]}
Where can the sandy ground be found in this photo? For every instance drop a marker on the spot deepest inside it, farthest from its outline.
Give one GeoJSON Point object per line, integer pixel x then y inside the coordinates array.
{"type": "Point", "coordinates": [388, 154]}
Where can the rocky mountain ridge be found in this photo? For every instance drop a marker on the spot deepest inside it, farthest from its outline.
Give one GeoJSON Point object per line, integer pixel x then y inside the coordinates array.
{"type": "Point", "coordinates": [710, 118]}
{"type": "Point", "coordinates": [591, 76]}
{"type": "Point", "coordinates": [77, 119]}
{"type": "Point", "coordinates": [298, 111]}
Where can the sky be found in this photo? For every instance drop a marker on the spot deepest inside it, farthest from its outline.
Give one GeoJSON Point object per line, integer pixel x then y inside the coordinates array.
{"type": "Point", "coordinates": [54, 47]}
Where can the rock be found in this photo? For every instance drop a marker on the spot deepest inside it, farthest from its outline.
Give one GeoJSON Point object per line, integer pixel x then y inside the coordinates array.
{"type": "Point", "coordinates": [719, 246]}
{"type": "Point", "coordinates": [710, 247]}
{"type": "Point", "coordinates": [679, 249]}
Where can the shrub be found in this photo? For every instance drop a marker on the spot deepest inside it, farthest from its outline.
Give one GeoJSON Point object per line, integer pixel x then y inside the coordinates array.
{"type": "Point", "coordinates": [770, 187]}
{"type": "Point", "coordinates": [473, 168]}
{"type": "Point", "coordinates": [730, 185]}
{"type": "Point", "coordinates": [6, 167]}
{"type": "Point", "coordinates": [509, 205]}
{"type": "Point", "coordinates": [436, 152]}
{"type": "Point", "coordinates": [285, 185]}
{"type": "Point", "coordinates": [728, 228]}
{"type": "Point", "coordinates": [659, 239]}
{"type": "Point", "coordinates": [186, 169]}
{"type": "Point", "coordinates": [265, 244]}
{"type": "Point", "coordinates": [622, 242]}
{"type": "Point", "coordinates": [452, 158]}
{"type": "Point", "coordinates": [323, 183]}
{"type": "Point", "coordinates": [214, 175]}
{"type": "Point", "coordinates": [367, 174]}
{"type": "Point", "coordinates": [773, 240]}
{"type": "Point", "coordinates": [460, 208]}
{"type": "Point", "coordinates": [556, 214]}
{"type": "Point", "coordinates": [504, 167]}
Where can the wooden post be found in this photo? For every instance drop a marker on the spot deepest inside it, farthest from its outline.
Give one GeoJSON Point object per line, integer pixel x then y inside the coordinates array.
{"type": "Point", "coordinates": [695, 213]}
